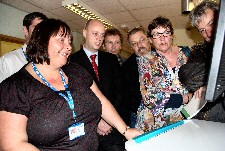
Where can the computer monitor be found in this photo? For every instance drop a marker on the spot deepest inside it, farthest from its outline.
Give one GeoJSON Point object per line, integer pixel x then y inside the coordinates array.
{"type": "Point", "coordinates": [216, 78]}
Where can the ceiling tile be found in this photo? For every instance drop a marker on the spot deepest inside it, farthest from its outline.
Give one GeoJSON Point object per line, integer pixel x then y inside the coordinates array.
{"type": "Point", "coordinates": [121, 17]}
{"type": "Point", "coordinates": [134, 4]}
{"type": "Point", "coordinates": [65, 13]}
{"type": "Point", "coordinates": [103, 7]}
{"type": "Point", "coordinates": [150, 13]}
{"type": "Point", "coordinates": [7, 1]}
{"type": "Point", "coordinates": [129, 13]}
{"type": "Point", "coordinates": [27, 7]}
{"type": "Point", "coordinates": [170, 2]}
{"type": "Point", "coordinates": [46, 4]}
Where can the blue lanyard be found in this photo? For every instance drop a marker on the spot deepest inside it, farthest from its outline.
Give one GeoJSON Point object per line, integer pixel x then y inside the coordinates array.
{"type": "Point", "coordinates": [68, 98]}
{"type": "Point", "coordinates": [25, 54]}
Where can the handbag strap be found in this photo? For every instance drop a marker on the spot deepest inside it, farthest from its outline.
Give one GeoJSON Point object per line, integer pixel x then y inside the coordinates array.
{"type": "Point", "coordinates": [186, 50]}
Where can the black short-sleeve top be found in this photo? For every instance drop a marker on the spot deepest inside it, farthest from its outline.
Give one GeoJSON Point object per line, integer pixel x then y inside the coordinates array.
{"type": "Point", "coordinates": [49, 115]}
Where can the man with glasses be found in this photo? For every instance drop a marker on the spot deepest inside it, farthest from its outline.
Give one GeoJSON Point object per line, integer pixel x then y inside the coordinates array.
{"type": "Point", "coordinates": [139, 43]}
{"type": "Point", "coordinates": [204, 17]}
{"type": "Point", "coordinates": [113, 43]}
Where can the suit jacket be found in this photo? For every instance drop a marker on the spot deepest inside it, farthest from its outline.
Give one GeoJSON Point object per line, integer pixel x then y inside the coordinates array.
{"type": "Point", "coordinates": [109, 74]}
{"type": "Point", "coordinates": [131, 86]}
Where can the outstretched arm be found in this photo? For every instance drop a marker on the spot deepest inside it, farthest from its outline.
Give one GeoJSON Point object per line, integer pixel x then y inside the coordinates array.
{"type": "Point", "coordinates": [110, 115]}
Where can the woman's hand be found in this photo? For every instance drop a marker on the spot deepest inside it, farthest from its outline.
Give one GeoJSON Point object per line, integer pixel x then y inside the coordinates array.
{"type": "Point", "coordinates": [200, 93]}
{"type": "Point", "coordinates": [103, 128]}
{"type": "Point", "coordinates": [187, 98]}
{"type": "Point", "coordinates": [130, 133]}
{"type": "Point", "coordinates": [111, 116]}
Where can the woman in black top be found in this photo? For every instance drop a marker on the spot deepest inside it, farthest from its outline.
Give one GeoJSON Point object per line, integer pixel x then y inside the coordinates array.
{"type": "Point", "coordinates": [46, 107]}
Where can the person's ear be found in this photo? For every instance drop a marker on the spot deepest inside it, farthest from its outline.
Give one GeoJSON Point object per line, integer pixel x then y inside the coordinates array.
{"type": "Point", "coordinates": [84, 32]}
{"type": "Point", "coordinates": [25, 31]}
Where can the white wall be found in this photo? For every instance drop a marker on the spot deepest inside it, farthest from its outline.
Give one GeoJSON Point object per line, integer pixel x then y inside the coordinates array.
{"type": "Point", "coordinates": [184, 37]}
{"type": "Point", "coordinates": [11, 21]}
{"type": "Point", "coordinates": [77, 40]}
{"type": "Point", "coordinates": [11, 24]}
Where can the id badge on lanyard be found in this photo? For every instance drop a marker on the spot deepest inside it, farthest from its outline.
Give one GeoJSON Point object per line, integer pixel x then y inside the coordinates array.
{"type": "Point", "coordinates": [77, 129]}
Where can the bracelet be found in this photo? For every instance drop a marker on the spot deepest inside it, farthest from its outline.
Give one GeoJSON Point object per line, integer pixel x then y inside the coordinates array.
{"type": "Point", "coordinates": [128, 127]}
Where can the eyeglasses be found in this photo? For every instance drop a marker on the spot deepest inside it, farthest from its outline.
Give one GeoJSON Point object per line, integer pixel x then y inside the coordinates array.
{"type": "Point", "coordinates": [209, 25]}
{"type": "Point", "coordinates": [158, 35]}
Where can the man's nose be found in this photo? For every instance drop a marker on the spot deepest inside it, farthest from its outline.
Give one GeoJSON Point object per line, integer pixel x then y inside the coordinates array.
{"type": "Point", "coordinates": [139, 44]}
{"type": "Point", "coordinates": [69, 47]}
{"type": "Point", "coordinates": [208, 32]}
{"type": "Point", "coordinates": [100, 37]}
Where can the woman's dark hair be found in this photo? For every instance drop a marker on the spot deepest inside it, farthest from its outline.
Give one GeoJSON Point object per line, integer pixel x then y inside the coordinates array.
{"type": "Point", "coordinates": [160, 22]}
{"type": "Point", "coordinates": [37, 48]}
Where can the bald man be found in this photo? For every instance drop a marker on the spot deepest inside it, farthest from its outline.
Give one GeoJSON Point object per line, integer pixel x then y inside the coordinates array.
{"type": "Point", "coordinates": [107, 77]}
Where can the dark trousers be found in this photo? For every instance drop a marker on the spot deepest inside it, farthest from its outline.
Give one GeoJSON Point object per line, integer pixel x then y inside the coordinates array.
{"type": "Point", "coordinates": [112, 142]}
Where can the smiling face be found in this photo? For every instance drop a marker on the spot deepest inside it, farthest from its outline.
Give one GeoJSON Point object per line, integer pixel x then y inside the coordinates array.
{"type": "Point", "coordinates": [112, 44]}
{"type": "Point", "coordinates": [162, 39]}
{"type": "Point", "coordinates": [139, 42]}
{"type": "Point", "coordinates": [94, 35]}
{"type": "Point", "coordinates": [59, 49]}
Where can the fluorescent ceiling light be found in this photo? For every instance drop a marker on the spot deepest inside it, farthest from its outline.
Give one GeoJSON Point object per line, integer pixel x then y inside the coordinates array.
{"type": "Point", "coordinates": [84, 11]}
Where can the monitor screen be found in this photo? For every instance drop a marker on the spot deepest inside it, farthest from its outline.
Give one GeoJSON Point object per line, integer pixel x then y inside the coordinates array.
{"type": "Point", "coordinates": [216, 78]}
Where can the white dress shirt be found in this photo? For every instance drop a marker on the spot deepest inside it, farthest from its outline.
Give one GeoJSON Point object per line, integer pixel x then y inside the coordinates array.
{"type": "Point", "coordinates": [88, 53]}
{"type": "Point", "coordinates": [12, 62]}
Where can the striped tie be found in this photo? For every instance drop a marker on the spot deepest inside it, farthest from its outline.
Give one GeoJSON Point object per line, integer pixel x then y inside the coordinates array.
{"type": "Point", "coordinates": [95, 66]}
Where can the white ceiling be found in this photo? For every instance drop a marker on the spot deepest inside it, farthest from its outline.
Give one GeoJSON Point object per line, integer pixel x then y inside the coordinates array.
{"type": "Point", "coordinates": [128, 13]}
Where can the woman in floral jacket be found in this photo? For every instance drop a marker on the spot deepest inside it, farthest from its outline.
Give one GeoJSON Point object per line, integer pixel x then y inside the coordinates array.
{"type": "Point", "coordinates": [162, 93]}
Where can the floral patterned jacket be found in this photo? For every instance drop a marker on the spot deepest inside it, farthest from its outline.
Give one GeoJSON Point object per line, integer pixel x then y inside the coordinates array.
{"type": "Point", "coordinates": [157, 82]}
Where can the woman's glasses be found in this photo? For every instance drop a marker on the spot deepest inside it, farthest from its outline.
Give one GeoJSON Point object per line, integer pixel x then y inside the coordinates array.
{"type": "Point", "coordinates": [158, 35]}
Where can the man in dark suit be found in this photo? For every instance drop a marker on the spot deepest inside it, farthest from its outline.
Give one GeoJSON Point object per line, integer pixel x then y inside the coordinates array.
{"type": "Point", "coordinates": [139, 43]}
{"type": "Point", "coordinates": [106, 76]}
{"type": "Point", "coordinates": [113, 43]}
